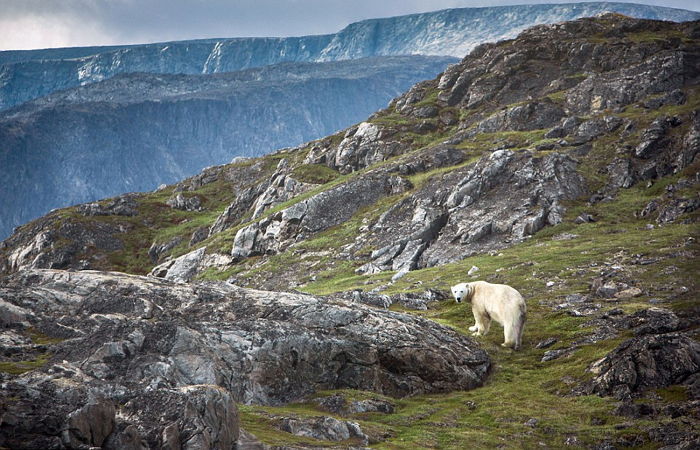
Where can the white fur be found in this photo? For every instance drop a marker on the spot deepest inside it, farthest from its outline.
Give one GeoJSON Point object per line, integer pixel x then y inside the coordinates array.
{"type": "Point", "coordinates": [499, 302]}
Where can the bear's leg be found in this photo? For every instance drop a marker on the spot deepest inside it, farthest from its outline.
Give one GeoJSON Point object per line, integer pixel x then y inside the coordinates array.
{"type": "Point", "coordinates": [510, 341]}
{"type": "Point", "coordinates": [513, 334]}
{"type": "Point", "coordinates": [519, 332]}
{"type": "Point", "coordinates": [483, 323]}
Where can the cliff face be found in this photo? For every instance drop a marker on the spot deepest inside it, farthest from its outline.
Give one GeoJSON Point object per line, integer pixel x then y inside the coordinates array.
{"type": "Point", "coordinates": [25, 75]}
{"type": "Point", "coordinates": [563, 163]}
{"type": "Point", "coordinates": [137, 131]}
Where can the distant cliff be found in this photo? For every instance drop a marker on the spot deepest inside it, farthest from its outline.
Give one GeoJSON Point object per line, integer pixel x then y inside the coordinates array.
{"type": "Point", "coordinates": [136, 131]}
{"type": "Point", "coordinates": [25, 75]}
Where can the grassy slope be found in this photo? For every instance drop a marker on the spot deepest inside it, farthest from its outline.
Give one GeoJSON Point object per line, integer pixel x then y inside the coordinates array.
{"type": "Point", "coordinates": [520, 387]}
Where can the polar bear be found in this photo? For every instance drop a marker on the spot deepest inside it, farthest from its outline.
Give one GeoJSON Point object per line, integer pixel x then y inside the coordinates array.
{"type": "Point", "coordinates": [499, 302]}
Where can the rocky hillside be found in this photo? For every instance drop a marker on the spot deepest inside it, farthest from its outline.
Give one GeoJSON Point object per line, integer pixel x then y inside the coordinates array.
{"type": "Point", "coordinates": [25, 75]}
{"type": "Point", "coordinates": [137, 131]}
{"type": "Point", "coordinates": [563, 163]}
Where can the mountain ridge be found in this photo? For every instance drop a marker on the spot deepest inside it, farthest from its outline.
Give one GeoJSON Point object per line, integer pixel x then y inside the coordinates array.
{"type": "Point", "coordinates": [410, 34]}
{"type": "Point", "coordinates": [72, 146]}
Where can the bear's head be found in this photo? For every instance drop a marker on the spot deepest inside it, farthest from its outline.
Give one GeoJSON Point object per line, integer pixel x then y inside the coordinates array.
{"type": "Point", "coordinates": [461, 291]}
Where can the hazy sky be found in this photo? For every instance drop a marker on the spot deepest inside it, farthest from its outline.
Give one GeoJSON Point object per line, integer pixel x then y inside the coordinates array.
{"type": "Point", "coordinates": [26, 24]}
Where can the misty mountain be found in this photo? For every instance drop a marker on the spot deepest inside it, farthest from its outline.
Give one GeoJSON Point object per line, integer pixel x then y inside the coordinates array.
{"type": "Point", "coordinates": [25, 75]}
{"type": "Point", "coordinates": [136, 131]}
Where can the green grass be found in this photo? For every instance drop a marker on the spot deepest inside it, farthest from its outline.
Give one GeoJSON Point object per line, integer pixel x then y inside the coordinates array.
{"type": "Point", "coordinates": [429, 98]}
{"type": "Point", "coordinates": [520, 386]}
{"type": "Point", "coordinates": [20, 367]}
{"type": "Point", "coordinates": [314, 173]}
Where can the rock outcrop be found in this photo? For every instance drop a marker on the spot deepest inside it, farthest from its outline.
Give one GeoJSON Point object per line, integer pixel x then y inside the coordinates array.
{"type": "Point", "coordinates": [144, 343]}
{"type": "Point", "coordinates": [646, 362]}
{"type": "Point", "coordinates": [317, 213]}
{"type": "Point", "coordinates": [504, 198]}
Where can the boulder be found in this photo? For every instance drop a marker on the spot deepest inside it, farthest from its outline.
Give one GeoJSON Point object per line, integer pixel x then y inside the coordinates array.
{"type": "Point", "coordinates": [366, 144]}
{"type": "Point", "coordinates": [156, 251]}
{"type": "Point", "coordinates": [124, 205]}
{"type": "Point", "coordinates": [179, 201]}
{"type": "Point", "coordinates": [325, 429]}
{"type": "Point", "coordinates": [181, 269]}
{"type": "Point", "coordinates": [260, 347]}
{"type": "Point", "coordinates": [198, 235]}
{"type": "Point", "coordinates": [646, 362]}
{"type": "Point", "coordinates": [236, 210]}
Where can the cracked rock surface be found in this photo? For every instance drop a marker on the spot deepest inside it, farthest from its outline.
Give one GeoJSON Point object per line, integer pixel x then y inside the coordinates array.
{"type": "Point", "coordinates": [139, 342]}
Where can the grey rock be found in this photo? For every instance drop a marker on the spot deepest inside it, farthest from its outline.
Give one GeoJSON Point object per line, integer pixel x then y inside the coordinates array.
{"type": "Point", "coordinates": [368, 144]}
{"type": "Point", "coordinates": [628, 84]}
{"type": "Point", "coordinates": [673, 210]}
{"type": "Point", "coordinates": [530, 116]}
{"type": "Point", "coordinates": [181, 269]}
{"type": "Point", "coordinates": [408, 259]}
{"type": "Point", "coordinates": [675, 97]}
{"type": "Point", "coordinates": [651, 321]}
{"type": "Point", "coordinates": [336, 404]}
{"type": "Point", "coordinates": [378, 300]}
{"type": "Point", "coordinates": [281, 188]}
{"type": "Point", "coordinates": [191, 417]}
{"type": "Point", "coordinates": [621, 174]}
{"type": "Point", "coordinates": [313, 215]}
{"type": "Point", "coordinates": [90, 425]}
{"type": "Point", "coordinates": [653, 138]}
{"type": "Point", "coordinates": [198, 235]}
{"type": "Point", "coordinates": [426, 112]}
{"type": "Point", "coordinates": [646, 362]}
{"type": "Point", "coordinates": [546, 343]}
{"type": "Point", "coordinates": [371, 405]}
{"type": "Point", "coordinates": [156, 251]}
{"type": "Point", "coordinates": [604, 288]}
{"type": "Point", "coordinates": [179, 201]}
{"type": "Point", "coordinates": [324, 428]}
{"type": "Point", "coordinates": [235, 211]}
{"type": "Point", "coordinates": [261, 347]}
{"type": "Point", "coordinates": [554, 133]}
{"type": "Point", "coordinates": [461, 204]}
{"type": "Point", "coordinates": [584, 218]}
{"type": "Point", "coordinates": [532, 422]}
{"type": "Point", "coordinates": [634, 410]}
{"type": "Point", "coordinates": [549, 355]}
{"type": "Point", "coordinates": [124, 205]}
{"type": "Point", "coordinates": [649, 209]}
{"type": "Point", "coordinates": [593, 128]}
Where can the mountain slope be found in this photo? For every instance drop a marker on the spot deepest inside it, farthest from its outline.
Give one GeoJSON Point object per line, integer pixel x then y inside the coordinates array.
{"type": "Point", "coordinates": [136, 131]}
{"type": "Point", "coordinates": [578, 186]}
{"type": "Point", "coordinates": [25, 75]}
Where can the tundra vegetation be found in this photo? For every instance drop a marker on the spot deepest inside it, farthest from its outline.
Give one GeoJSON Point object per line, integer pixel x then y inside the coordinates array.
{"type": "Point", "coordinates": [563, 163]}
